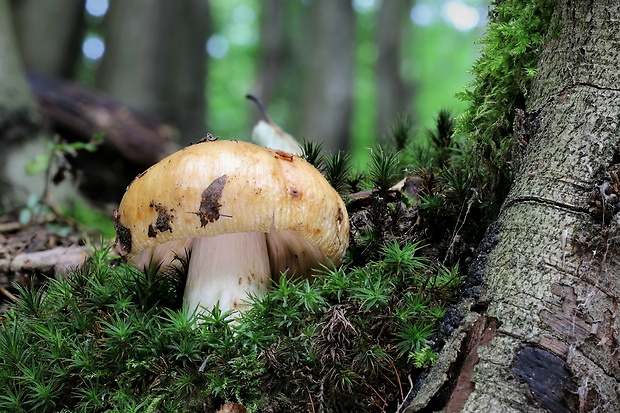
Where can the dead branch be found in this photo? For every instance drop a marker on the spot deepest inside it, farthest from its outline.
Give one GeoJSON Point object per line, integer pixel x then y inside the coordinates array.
{"type": "Point", "coordinates": [56, 260]}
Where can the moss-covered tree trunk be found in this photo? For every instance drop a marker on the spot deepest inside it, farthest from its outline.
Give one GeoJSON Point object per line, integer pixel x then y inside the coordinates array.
{"type": "Point", "coordinates": [548, 331]}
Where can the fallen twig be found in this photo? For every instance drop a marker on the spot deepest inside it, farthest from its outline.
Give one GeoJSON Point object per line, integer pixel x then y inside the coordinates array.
{"type": "Point", "coordinates": [7, 293]}
{"type": "Point", "coordinates": [59, 259]}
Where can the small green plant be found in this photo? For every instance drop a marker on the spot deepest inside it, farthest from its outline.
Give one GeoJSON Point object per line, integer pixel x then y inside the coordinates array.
{"type": "Point", "coordinates": [337, 169]}
{"type": "Point", "coordinates": [423, 358]}
{"type": "Point", "coordinates": [442, 139]}
{"type": "Point", "coordinates": [384, 170]}
{"type": "Point", "coordinates": [56, 165]}
{"type": "Point", "coordinates": [33, 209]}
{"type": "Point", "coordinates": [311, 152]}
{"type": "Point", "coordinates": [58, 155]}
{"type": "Point", "coordinates": [401, 132]}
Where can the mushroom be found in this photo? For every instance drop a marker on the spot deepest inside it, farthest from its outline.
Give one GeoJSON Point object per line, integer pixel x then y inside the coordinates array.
{"type": "Point", "coordinates": [247, 214]}
{"type": "Point", "coordinates": [267, 133]}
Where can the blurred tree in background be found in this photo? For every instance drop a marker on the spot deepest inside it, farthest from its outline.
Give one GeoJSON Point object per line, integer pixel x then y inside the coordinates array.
{"type": "Point", "coordinates": [155, 60]}
{"type": "Point", "coordinates": [47, 45]}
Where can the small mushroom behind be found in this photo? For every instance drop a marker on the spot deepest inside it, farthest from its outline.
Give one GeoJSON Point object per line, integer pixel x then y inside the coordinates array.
{"type": "Point", "coordinates": [246, 212]}
{"type": "Point", "coordinates": [266, 133]}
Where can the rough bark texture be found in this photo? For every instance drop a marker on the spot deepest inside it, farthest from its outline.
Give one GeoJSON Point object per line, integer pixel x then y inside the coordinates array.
{"type": "Point", "coordinates": [155, 60]}
{"type": "Point", "coordinates": [329, 85]}
{"type": "Point", "coordinates": [49, 34]}
{"type": "Point", "coordinates": [552, 283]}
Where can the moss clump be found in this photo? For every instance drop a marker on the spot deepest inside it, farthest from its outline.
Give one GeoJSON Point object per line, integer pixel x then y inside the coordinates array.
{"type": "Point", "coordinates": [113, 339]}
{"type": "Point", "coordinates": [512, 43]}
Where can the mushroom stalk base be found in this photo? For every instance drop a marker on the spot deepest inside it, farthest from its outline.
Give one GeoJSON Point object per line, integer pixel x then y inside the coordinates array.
{"type": "Point", "coordinates": [225, 269]}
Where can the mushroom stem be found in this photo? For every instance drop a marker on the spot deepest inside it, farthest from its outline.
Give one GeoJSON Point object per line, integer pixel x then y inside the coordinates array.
{"type": "Point", "coordinates": [164, 254]}
{"type": "Point", "coordinates": [227, 268]}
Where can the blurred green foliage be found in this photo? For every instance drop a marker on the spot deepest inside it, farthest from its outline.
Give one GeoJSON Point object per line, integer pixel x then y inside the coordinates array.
{"type": "Point", "coordinates": [231, 77]}
{"type": "Point", "coordinates": [441, 61]}
{"type": "Point", "coordinates": [436, 59]}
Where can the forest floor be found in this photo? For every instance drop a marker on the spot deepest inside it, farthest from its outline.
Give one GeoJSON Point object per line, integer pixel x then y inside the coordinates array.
{"type": "Point", "coordinates": [31, 252]}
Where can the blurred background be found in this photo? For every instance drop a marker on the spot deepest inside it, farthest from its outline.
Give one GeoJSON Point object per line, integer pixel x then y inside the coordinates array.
{"type": "Point", "coordinates": [150, 76]}
{"type": "Point", "coordinates": [333, 71]}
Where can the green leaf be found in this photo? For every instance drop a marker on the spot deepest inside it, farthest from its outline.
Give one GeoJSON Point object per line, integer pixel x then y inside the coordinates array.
{"type": "Point", "coordinates": [38, 164]}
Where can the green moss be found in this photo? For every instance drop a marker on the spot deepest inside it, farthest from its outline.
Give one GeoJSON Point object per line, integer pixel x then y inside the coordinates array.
{"type": "Point", "coordinates": [512, 44]}
{"type": "Point", "coordinates": [110, 338]}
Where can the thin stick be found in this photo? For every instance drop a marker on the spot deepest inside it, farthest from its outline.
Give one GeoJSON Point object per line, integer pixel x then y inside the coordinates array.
{"type": "Point", "coordinates": [261, 107]}
{"type": "Point", "coordinates": [310, 397]}
{"type": "Point", "coordinates": [377, 393]}
{"type": "Point", "coordinates": [7, 293]}
{"type": "Point", "coordinates": [400, 385]}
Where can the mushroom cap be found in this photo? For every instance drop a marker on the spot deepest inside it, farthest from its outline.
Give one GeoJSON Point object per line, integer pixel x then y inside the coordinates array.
{"type": "Point", "coordinates": [224, 187]}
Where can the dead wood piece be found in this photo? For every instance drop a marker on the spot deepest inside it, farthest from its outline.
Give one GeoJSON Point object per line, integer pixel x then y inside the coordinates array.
{"type": "Point", "coordinates": [7, 294]}
{"type": "Point", "coordinates": [441, 372]}
{"type": "Point", "coordinates": [410, 186]}
{"type": "Point", "coordinates": [56, 260]}
{"type": "Point", "coordinates": [83, 112]}
{"type": "Point", "coordinates": [132, 140]}
{"type": "Point", "coordinates": [9, 226]}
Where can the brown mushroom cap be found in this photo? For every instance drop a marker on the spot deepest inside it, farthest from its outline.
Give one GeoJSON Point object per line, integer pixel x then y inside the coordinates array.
{"type": "Point", "coordinates": [227, 187]}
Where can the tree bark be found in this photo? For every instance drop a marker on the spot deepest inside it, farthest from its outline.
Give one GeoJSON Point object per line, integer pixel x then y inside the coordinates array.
{"type": "Point", "coordinates": [49, 34]}
{"type": "Point", "coordinates": [155, 60]}
{"type": "Point", "coordinates": [550, 332]}
{"type": "Point", "coordinates": [327, 105]}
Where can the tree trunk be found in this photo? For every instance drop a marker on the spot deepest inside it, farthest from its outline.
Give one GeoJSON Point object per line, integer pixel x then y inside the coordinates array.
{"type": "Point", "coordinates": [49, 34]}
{"type": "Point", "coordinates": [327, 105]}
{"type": "Point", "coordinates": [282, 36]}
{"type": "Point", "coordinates": [548, 339]}
{"type": "Point", "coordinates": [155, 60]}
{"type": "Point", "coordinates": [20, 122]}
{"type": "Point", "coordinates": [394, 93]}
